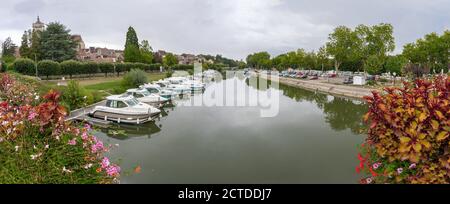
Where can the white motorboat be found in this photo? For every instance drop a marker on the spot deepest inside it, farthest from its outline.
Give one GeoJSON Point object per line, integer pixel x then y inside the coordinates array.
{"type": "Point", "coordinates": [176, 80]}
{"type": "Point", "coordinates": [125, 109]}
{"type": "Point", "coordinates": [156, 89]}
{"type": "Point", "coordinates": [142, 95]}
{"type": "Point", "coordinates": [194, 85]}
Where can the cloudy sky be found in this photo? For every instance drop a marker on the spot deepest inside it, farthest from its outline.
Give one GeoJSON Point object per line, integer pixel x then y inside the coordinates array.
{"type": "Point", "coordinates": [233, 28]}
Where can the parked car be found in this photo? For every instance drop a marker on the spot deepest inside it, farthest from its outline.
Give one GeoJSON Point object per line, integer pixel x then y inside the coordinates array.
{"type": "Point", "coordinates": [348, 80]}
{"type": "Point", "coordinates": [370, 77]}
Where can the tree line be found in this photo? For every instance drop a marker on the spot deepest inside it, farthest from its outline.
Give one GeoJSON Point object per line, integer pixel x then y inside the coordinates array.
{"type": "Point", "coordinates": [364, 48]}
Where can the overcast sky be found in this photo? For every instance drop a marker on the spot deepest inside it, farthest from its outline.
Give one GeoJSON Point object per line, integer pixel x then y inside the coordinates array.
{"type": "Point", "coordinates": [233, 28]}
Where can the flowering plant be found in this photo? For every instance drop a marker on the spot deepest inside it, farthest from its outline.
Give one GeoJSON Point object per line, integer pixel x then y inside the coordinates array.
{"type": "Point", "coordinates": [37, 145]}
{"type": "Point", "coordinates": [408, 139]}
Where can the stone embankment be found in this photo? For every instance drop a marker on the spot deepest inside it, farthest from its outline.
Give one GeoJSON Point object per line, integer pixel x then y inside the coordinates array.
{"type": "Point", "coordinates": [322, 85]}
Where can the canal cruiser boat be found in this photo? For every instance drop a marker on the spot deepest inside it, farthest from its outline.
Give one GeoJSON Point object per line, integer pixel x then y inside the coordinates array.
{"type": "Point", "coordinates": [177, 80]}
{"type": "Point", "coordinates": [195, 85]}
{"type": "Point", "coordinates": [156, 89]}
{"type": "Point", "coordinates": [144, 96]}
{"type": "Point", "coordinates": [179, 88]}
{"type": "Point", "coordinates": [125, 109]}
{"type": "Point", "coordinates": [163, 83]}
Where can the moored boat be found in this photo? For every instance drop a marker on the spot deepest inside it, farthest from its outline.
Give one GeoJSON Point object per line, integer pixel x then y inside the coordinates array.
{"type": "Point", "coordinates": [142, 95]}
{"type": "Point", "coordinates": [125, 109]}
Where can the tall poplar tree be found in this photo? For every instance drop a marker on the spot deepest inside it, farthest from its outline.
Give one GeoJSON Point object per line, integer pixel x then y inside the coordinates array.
{"type": "Point", "coordinates": [132, 53]}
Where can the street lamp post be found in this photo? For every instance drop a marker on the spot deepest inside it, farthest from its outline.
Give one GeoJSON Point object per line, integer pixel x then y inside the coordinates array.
{"type": "Point", "coordinates": [35, 64]}
{"type": "Point", "coordinates": [114, 62]}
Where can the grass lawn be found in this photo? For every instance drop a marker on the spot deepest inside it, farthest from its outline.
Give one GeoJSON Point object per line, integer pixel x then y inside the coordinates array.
{"type": "Point", "coordinates": [113, 84]}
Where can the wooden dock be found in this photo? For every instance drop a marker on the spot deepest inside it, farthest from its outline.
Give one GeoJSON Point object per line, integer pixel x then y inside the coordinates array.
{"type": "Point", "coordinates": [82, 115]}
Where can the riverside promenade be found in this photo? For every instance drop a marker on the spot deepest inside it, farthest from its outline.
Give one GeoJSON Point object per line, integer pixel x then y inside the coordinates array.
{"type": "Point", "coordinates": [323, 86]}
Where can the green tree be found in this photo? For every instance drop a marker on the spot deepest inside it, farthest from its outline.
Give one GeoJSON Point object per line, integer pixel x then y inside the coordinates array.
{"type": "Point", "coordinates": [395, 64]}
{"type": "Point", "coordinates": [169, 60]}
{"type": "Point", "coordinates": [8, 48]}
{"type": "Point", "coordinates": [375, 43]}
{"type": "Point", "coordinates": [24, 48]}
{"type": "Point", "coordinates": [310, 60]}
{"type": "Point", "coordinates": [132, 53]}
{"type": "Point", "coordinates": [342, 45]}
{"type": "Point", "coordinates": [260, 60]}
{"type": "Point", "coordinates": [373, 64]}
{"type": "Point", "coordinates": [35, 46]}
{"type": "Point", "coordinates": [146, 52]}
{"type": "Point", "coordinates": [132, 39]}
{"type": "Point", "coordinates": [432, 51]}
{"type": "Point", "coordinates": [322, 58]}
{"type": "Point", "coordinates": [56, 43]}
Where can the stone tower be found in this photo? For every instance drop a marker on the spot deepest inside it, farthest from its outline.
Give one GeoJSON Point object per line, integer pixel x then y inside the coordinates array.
{"type": "Point", "coordinates": [38, 25]}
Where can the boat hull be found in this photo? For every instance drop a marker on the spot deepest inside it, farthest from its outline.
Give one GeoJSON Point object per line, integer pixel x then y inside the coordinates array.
{"type": "Point", "coordinates": [124, 118]}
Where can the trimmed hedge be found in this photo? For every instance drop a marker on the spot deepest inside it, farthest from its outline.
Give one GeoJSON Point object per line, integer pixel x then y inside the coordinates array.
{"type": "Point", "coordinates": [48, 68]}
{"type": "Point", "coordinates": [71, 67]}
{"type": "Point", "coordinates": [182, 67]}
{"type": "Point", "coordinates": [106, 68]}
{"type": "Point", "coordinates": [90, 68]}
{"type": "Point", "coordinates": [25, 66]}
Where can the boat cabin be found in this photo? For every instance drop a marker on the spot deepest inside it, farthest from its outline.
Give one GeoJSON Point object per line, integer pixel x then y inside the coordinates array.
{"type": "Point", "coordinates": [121, 101]}
{"type": "Point", "coordinates": [138, 93]}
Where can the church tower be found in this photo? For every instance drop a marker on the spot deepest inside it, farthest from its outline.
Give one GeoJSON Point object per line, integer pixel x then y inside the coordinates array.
{"type": "Point", "coordinates": [38, 25]}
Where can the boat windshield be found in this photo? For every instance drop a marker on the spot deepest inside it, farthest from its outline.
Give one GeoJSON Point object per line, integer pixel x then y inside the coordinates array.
{"type": "Point", "coordinates": [144, 92]}
{"type": "Point", "coordinates": [132, 102]}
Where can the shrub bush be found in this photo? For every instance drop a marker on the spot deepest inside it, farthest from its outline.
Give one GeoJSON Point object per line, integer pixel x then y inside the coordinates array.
{"type": "Point", "coordinates": [408, 139]}
{"type": "Point", "coordinates": [74, 96]}
{"type": "Point", "coordinates": [48, 68]}
{"type": "Point", "coordinates": [3, 66]}
{"type": "Point", "coordinates": [70, 67]}
{"type": "Point", "coordinates": [134, 78]}
{"type": "Point", "coordinates": [25, 66]}
{"type": "Point", "coordinates": [38, 146]}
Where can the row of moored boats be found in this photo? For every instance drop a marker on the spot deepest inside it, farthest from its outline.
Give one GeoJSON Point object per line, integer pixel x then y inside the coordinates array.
{"type": "Point", "coordinates": [143, 104]}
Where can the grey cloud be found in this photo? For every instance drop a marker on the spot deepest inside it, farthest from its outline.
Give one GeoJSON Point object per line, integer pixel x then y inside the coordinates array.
{"type": "Point", "coordinates": [233, 28]}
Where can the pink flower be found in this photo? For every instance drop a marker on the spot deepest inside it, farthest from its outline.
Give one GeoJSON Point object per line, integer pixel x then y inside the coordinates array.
{"type": "Point", "coordinates": [113, 170]}
{"type": "Point", "coordinates": [84, 136]}
{"type": "Point", "coordinates": [105, 162]}
{"type": "Point", "coordinates": [87, 127]}
{"type": "Point", "coordinates": [77, 131]}
{"type": "Point", "coordinates": [32, 115]}
{"type": "Point", "coordinates": [72, 142]}
{"type": "Point", "coordinates": [412, 166]}
{"type": "Point", "coordinates": [369, 180]}
{"type": "Point", "coordinates": [98, 146]}
{"type": "Point", "coordinates": [399, 170]}
{"type": "Point", "coordinates": [376, 165]}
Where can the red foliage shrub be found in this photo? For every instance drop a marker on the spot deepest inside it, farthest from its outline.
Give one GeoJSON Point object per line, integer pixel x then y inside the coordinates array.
{"type": "Point", "coordinates": [408, 139]}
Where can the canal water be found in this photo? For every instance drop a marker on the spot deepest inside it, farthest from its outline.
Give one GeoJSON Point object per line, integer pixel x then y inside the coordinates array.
{"type": "Point", "coordinates": [313, 139]}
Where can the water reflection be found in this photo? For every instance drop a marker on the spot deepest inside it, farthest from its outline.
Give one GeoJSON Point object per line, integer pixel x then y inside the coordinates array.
{"type": "Point", "coordinates": [340, 113]}
{"type": "Point", "coordinates": [311, 140]}
{"type": "Point", "coordinates": [125, 132]}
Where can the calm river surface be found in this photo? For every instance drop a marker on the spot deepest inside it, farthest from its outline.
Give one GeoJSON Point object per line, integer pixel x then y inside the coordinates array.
{"type": "Point", "coordinates": [313, 139]}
